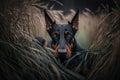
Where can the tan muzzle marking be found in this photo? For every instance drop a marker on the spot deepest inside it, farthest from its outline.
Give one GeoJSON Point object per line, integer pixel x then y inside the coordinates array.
{"type": "Point", "coordinates": [68, 47]}
{"type": "Point", "coordinates": [69, 50]}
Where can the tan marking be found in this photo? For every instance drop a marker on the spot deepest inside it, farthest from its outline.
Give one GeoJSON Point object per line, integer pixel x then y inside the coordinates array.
{"type": "Point", "coordinates": [46, 44]}
{"type": "Point", "coordinates": [66, 32]}
{"type": "Point", "coordinates": [69, 50]}
{"type": "Point", "coordinates": [55, 47]}
{"type": "Point", "coordinates": [56, 51]}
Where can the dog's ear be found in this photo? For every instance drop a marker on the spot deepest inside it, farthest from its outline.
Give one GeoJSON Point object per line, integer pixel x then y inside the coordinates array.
{"type": "Point", "coordinates": [74, 21]}
{"type": "Point", "coordinates": [48, 20]}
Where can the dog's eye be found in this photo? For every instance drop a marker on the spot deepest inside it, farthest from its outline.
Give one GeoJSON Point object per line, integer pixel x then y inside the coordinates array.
{"type": "Point", "coordinates": [67, 34]}
{"type": "Point", "coordinates": [56, 34]}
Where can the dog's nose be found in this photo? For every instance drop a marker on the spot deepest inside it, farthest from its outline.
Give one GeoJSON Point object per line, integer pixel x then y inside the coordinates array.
{"type": "Point", "coordinates": [62, 51]}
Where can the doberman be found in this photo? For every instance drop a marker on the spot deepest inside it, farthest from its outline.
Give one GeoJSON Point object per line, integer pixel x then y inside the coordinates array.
{"type": "Point", "coordinates": [62, 35]}
{"type": "Point", "coordinates": [63, 41]}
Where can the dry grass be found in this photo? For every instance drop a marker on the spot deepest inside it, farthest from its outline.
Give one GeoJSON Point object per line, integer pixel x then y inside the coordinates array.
{"type": "Point", "coordinates": [107, 41]}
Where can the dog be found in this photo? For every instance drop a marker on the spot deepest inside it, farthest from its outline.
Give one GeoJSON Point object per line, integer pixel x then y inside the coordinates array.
{"type": "Point", "coordinates": [64, 43]}
{"type": "Point", "coordinates": [63, 37]}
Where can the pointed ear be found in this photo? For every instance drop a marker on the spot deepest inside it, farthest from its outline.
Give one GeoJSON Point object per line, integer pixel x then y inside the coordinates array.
{"type": "Point", "coordinates": [48, 20]}
{"type": "Point", "coordinates": [75, 20]}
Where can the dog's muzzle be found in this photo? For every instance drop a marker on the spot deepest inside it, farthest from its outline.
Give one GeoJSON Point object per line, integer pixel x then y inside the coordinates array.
{"type": "Point", "coordinates": [62, 53]}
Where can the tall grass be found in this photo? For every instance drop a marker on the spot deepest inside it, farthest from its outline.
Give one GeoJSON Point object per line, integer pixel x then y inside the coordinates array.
{"type": "Point", "coordinates": [107, 41]}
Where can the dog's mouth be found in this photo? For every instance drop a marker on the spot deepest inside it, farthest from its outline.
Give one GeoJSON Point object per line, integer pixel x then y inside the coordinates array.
{"type": "Point", "coordinates": [63, 53]}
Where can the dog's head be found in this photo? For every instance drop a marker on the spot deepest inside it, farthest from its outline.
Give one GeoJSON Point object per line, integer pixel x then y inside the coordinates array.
{"type": "Point", "coordinates": [62, 35]}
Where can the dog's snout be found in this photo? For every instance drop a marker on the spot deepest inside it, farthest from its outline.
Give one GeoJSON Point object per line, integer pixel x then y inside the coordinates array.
{"type": "Point", "coordinates": [62, 47]}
